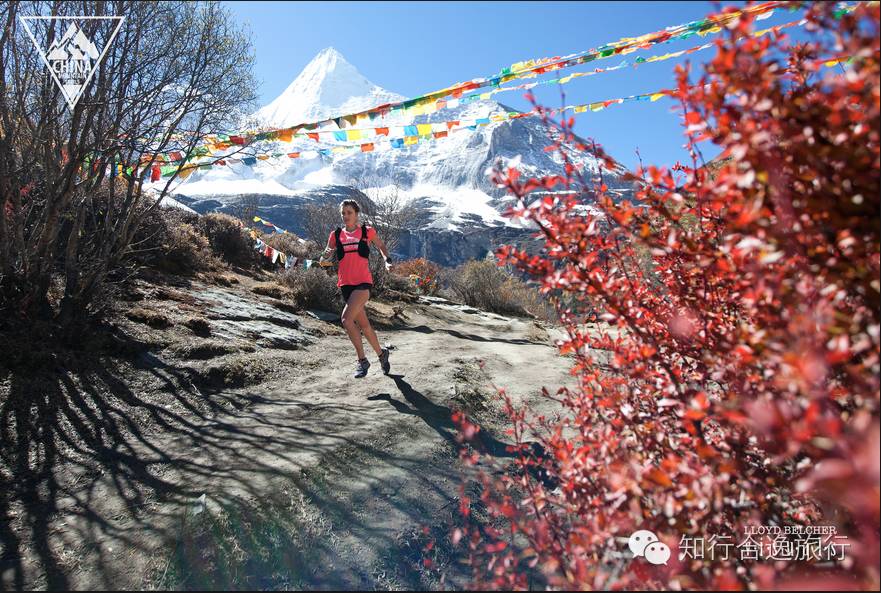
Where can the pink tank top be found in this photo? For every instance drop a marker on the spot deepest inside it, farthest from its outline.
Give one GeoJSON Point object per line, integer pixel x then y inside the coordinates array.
{"type": "Point", "coordinates": [353, 269]}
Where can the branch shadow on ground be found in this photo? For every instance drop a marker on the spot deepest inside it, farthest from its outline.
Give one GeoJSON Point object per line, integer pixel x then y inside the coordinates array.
{"type": "Point", "coordinates": [90, 463]}
{"type": "Point", "coordinates": [424, 329]}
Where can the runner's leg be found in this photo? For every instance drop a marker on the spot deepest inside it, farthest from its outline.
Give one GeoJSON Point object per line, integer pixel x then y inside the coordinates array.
{"type": "Point", "coordinates": [354, 305]}
{"type": "Point", "coordinates": [367, 329]}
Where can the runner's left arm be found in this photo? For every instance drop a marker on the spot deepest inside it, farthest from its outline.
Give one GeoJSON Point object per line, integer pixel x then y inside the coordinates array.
{"type": "Point", "coordinates": [382, 249]}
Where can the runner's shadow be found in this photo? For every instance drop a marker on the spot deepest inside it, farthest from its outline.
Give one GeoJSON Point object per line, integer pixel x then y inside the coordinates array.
{"type": "Point", "coordinates": [424, 329]}
{"type": "Point", "coordinates": [440, 418]}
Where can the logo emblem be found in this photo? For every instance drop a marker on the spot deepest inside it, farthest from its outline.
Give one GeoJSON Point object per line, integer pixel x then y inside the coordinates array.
{"type": "Point", "coordinates": [72, 58]}
{"type": "Point", "coordinates": [646, 544]}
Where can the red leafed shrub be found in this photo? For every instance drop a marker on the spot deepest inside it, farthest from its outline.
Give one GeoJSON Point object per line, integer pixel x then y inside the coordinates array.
{"type": "Point", "coordinates": [422, 272]}
{"type": "Point", "coordinates": [732, 377]}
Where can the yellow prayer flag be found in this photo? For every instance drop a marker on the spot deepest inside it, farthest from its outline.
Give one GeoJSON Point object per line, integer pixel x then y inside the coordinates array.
{"type": "Point", "coordinates": [596, 106]}
{"type": "Point", "coordinates": [410, 139]}
{"type": "Point", "coordinates": [484, 96]}
{"type": "Point", "coordinates": [497, 117]}
{"type": "Point", "coordinates": [423, 129]}
{"type": "Point", "coordinates": [339, 149]}
{"type": "Point", "coordinates": [256, 219]}
{"type": "Point", "coordinates": [286, 135]}
{"type": "Point", "coordinates": [657, 96]}
{"type": "Point", "coordinates": [353, 134]}
{"type": "Point", "coordinates": [580, 108]}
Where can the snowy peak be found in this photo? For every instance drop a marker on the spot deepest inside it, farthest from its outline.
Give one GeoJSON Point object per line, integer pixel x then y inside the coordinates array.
{"type": "Point", "coordinates": [327, 60]}
{"type": "Point", "coordinates": [328, 86]}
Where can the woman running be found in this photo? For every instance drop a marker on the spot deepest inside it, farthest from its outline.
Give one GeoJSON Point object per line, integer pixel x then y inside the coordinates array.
{"type": "Point", "coordinates": [354, 279]}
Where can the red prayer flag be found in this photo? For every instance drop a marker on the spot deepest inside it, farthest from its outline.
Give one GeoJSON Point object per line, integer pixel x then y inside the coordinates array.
{"type": "Point", "coordinates": [313, 135]}
{"type": "Point", "coordinates": [294, 155]}
{"type": "Point", "coordinates": [155, 173]}
{"type": "Point", "coordinates": [237, 140]}
{"type": "Point", "coordinates": [382, 131]}
{"type": "Point", "coordinates": [440, 134]}
{"type": "Point", "coordinates": [367, 147]}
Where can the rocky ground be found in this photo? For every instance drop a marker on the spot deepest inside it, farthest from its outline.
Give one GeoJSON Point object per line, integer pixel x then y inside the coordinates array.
{"type": "Point", "coordinates": [212, 437]}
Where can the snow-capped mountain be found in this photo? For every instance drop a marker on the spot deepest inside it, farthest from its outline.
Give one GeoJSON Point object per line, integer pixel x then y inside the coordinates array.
{"type": "Point", "coordinates": [328, 86]}
{"type": "Point", "coordinates": [444, 178]}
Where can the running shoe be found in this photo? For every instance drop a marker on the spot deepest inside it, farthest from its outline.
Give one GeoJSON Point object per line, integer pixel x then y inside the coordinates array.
{"type": "Point", "coordinates": [363, 365]}
{"type": "Point", "coordinates": [383, 360]}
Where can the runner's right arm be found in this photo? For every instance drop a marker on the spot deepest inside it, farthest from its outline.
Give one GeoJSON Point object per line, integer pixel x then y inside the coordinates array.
{"type": "Point", "coordinates": [327, 250]}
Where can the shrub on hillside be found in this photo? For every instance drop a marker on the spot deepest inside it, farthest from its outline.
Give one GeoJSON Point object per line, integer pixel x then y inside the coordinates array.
{"type": "Point", "coordinates": [290, 244]}
{"type": "Point", "coordinates": [400, 284]}
{"type": "Point", "coordinates": [483, 284]}
{"type": "Point", "coordinates": [421, 273]}
{"type": "Point", "coordinates": [171, 240]}
{"type": "Point", "coordinates": [228, 239]}
{"type": "Point", "coordinates": [313, 288]}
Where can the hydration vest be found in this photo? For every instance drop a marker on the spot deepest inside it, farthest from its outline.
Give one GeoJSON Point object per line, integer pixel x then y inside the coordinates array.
{"type": "Point", "coordinates": [363, 247]}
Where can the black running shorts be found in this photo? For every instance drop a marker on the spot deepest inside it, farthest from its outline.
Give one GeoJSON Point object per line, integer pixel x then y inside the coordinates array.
{"type": "Point", "coordinates": [347, 289]}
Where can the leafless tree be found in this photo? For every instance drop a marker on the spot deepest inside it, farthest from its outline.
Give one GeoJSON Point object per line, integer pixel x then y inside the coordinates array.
{"type": "Point", "coordinates": [175, 73]}
{"type": "Point", "coordinates": [319, 219]}
{"type": "Point", "coordinates": [387, 211]}
{"type": "Point", "coordinates": [245, 207]}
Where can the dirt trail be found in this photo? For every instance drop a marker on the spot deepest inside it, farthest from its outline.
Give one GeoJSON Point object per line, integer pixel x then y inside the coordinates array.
{"type": "Point", "coordinates": [354, 468]}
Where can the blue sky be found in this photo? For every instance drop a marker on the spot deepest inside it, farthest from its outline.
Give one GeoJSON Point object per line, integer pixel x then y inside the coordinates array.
{"type": "Point", "coordinates": [413, 48]}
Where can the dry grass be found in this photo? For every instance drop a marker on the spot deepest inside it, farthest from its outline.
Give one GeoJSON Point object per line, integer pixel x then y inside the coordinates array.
{"type": "Point", "coordinates": [273, 289]}
{"type": "Point", "coordinates": [149, 317]}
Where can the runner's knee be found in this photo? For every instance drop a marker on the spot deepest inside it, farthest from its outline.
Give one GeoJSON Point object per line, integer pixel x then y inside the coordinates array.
{"type": "Point", "coordinates": [349, 316]}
